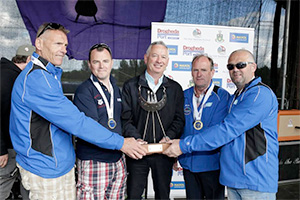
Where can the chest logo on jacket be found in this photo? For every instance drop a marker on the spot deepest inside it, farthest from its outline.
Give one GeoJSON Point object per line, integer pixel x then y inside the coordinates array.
{"type": "Point", "coordinates": [187, 109]}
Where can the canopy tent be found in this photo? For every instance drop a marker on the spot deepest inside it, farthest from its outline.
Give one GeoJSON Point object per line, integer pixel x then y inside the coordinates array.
{"type": "Point", "coordinates": [123, 25]}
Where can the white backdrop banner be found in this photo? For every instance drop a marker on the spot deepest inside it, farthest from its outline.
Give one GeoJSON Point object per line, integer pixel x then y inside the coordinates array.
{"type": "Point", "coordinates": [184, 41]}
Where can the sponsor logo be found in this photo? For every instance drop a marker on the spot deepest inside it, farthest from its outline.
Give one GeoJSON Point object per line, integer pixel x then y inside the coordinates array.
{"type": "Point", "coordinates": [217, 81]}
{"type": "Point", "coordinates": [230, 84]}
{"type": "Point", "coordinates": [173, 49]}
{"type": "Point", "coordinates": [216, 67]}
{"type": "Point", "coordinates": [197, 33]}
{"type": "Point", "coordinates": [181, 66]}
{"type": "Point", "coordinates": [221, 50]}
{"type": "Point", "coordinates": [177, 185]}
{"type": "Point", "coordinates": [239, 37]}
{"type": "Point", "coordinates": [168, 34]}
{"type": "Point", "coordinates": [191, 83]}
{"type": "Point", "coordinates": [192, 50]}
{"type": "Point", "coordinates": [219, 37]}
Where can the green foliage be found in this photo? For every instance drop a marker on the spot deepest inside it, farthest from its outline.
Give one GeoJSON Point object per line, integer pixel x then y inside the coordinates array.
{"type": "Point", "coordinates": [127, 70]}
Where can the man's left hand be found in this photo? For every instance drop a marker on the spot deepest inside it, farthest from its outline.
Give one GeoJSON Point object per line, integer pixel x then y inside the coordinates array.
{"type": "Point", "coordinates": [174, 150]}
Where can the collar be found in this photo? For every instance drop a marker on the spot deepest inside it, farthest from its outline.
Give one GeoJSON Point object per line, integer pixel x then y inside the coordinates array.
{"type": "Point", "coordinates": [49, 66]}
{"type": "Point", "coordinates": [205, 91]}
{"type": "Point", "coordinates": [254, 81]}
{"type": "Point", "coordinates": [150, 81]}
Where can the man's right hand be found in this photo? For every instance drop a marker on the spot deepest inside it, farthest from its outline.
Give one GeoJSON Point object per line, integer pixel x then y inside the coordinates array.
{"type": "Point", "coordinates": [133, 148]}
{"type": "Point", "coordinates": [3, 160]}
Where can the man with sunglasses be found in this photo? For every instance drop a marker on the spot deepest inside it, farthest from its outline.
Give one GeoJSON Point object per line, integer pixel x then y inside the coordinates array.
{"type": "Point", "coordinates": [247, 136]}
{"type": "Point", "coordinates": [43, 120]}
{"type": "Point", "coordinates": [205, 105]}
{"type": "Point", "coordinates": [99, 98]}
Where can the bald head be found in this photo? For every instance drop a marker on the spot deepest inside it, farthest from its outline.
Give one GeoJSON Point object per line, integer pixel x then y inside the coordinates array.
{"type": "Point", "coordinates": [244, 52]}
{"type": "Point", "coordinates": [245, 71]}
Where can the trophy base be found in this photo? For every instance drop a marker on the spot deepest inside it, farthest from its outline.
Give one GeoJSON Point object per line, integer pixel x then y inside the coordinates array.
{"type": "Point", "coordinates": [155, 148]}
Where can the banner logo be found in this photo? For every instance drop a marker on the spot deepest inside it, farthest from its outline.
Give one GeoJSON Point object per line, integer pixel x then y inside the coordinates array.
{"type": "Point", "coordinates": [192, 50]}
{"type": "Point", "coordinates": [197, 33]}
{"type": "Point", "coordinates": [239, 37]}
{"type": "Point", "coordinates": [230, 84]}
{"type": "Point", "coordinates": [216, 67]}
{"type": "Point", "coordinates": [221, 50]}
{"type": "Point", "coordinates": [219, 37]}
{"type": "Point", "coordinates": [168, 34]}
{"type": "Point", "coordinates": [217, 81]}
{"type": "Point", "coordinates": [177, 185]}
{"type": "Point", "coordinates": [173, 49]}
{"type": "Point", "coordinates": [181, 66]}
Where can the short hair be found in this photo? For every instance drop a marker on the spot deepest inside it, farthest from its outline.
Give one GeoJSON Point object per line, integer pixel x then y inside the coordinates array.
{"type": "Point", "coordinates": [100, 47]}
{"type": "Point", "coordinates": [51, 26]}
{"type": "Point", "coordinates": [19, 59]}
{"type": "Point", "coordinates": [156, 43]}
{"type": "Point", "coordinates": [196, 57]}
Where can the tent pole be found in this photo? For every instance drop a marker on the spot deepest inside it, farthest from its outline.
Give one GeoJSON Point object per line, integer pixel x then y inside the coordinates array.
{"type": "Point", "coordinates": [285, 51]}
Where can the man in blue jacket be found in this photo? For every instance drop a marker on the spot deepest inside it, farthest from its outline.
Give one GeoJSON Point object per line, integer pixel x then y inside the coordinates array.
{"type": "Point", "coordinates": [248, 135]}
{"type": "Point", "coordinates": [99, 98]}
{"type": "Point", "coordinates": [43, 120]}
{"type": "Point", "coordinates": [205, 105]}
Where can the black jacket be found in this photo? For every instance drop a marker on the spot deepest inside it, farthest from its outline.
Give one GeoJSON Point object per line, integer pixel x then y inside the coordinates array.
{"type": "Point", "coordinates": [134, 116]}
{"type": "Point", "coordinates": [9, 72]}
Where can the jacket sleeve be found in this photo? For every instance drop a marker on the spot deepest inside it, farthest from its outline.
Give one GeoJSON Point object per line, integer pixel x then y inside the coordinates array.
{"type": "Point", "coordinates": [257, 104]}
{"type": "Point", "coordinates": [129, 130]}
{"type": "Point", "coordinates": [43, 94]}
{"type": "Point", "coordinates": [176, 128]}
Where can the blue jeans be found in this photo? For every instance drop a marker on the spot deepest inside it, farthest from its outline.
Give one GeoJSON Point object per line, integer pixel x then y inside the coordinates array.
{"type": "Point", "coordinates": [245, 194]}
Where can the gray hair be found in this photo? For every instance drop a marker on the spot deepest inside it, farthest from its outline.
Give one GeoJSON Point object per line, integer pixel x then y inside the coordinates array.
{"type": "Point", "coordinates": [156, 43]}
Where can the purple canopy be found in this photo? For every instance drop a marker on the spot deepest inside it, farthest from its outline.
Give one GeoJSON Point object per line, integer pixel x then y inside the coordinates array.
{"type": "Point", "coordinates": [125, 25]}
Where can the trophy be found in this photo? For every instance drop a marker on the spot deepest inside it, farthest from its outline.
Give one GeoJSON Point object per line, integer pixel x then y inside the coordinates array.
{"type": "Point", "coordinates": [152, 106]}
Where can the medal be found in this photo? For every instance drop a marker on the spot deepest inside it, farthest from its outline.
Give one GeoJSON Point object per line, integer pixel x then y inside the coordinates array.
{"type": "Point", "coordinates": [109, 106]}
{"type": "Point", "coordinates": [111, 123]}
{"type": "Point", "coordinates": [198, 125]}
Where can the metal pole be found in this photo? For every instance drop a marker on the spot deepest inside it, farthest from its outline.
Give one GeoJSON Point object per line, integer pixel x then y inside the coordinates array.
{"type": "Point", "coordinates": [285, 50]}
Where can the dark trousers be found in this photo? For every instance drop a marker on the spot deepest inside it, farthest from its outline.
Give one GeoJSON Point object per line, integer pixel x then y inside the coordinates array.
{"type": "Point", "coordinates": [138, 170]}
{"type": "Point", "coordinates": [203, 185]}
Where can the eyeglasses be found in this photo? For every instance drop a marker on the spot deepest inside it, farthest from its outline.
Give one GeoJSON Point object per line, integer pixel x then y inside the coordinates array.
{"type": "Point", "coordinates": [101, 45]}
{"type": "Point", "coordinates": [52, 26]}
{"type": "Point", "coordinates": [239, 65]}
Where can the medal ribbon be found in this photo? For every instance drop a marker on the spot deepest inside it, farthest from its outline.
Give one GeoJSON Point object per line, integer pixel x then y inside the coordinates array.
{"type": "Point", "coordinates": [109, 107]}
{"type": "Point", "coordinates": [198, 114]}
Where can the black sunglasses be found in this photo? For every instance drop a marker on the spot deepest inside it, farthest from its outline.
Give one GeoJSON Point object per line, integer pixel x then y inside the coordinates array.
{"type": "Point", "coordinates": [101, 45]}
{"type": "Point", "coordinates": [239, 65]}
{"type": "Point", "coordinates": [52, 26]}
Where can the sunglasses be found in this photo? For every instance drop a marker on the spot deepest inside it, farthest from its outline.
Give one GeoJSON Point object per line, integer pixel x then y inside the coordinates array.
{"type": "Point", "coordinates": [101, 45]}
{"type": "Point", "coordinates": [239, 65]}
{"type": "Point", "coordinates": [52, 26]}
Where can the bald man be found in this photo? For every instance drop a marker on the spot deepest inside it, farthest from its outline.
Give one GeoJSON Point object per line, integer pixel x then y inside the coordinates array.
{"type": "Point", "coordinates": [247, 136]}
